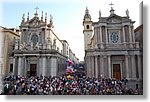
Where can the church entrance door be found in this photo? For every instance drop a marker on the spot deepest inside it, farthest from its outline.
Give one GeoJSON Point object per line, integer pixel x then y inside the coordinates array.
{"type": "Point", "coordinates": [116, 71]}
{"type": "Point", "coordinates": [33, 69]}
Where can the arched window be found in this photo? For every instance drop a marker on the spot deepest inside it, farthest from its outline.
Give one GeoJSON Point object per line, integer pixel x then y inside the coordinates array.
{"type": "Point", "coordinates": [87, 26]}
{"type": "Point", "coordinates": [34, 39]}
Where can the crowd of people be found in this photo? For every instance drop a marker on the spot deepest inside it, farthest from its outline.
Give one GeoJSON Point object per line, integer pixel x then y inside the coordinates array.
{"type": "Point", "coordinates": [65, 85]}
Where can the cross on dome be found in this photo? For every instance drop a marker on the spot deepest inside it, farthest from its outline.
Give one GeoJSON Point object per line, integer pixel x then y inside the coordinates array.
{"type": "Point", "coordinates": [112, 10]}
{"type": "Point", "coordinates": [111, 4]}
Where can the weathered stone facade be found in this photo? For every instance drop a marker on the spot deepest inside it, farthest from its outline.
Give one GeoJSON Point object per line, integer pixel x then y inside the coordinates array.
{"type": "Point", "coordinates": [39, 51]}
{"type": "Point", "coordinates": [113, 51]}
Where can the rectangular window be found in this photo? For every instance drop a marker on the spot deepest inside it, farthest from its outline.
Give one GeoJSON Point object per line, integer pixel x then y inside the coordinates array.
{"type": "Point", "coordinates": [11, 68]}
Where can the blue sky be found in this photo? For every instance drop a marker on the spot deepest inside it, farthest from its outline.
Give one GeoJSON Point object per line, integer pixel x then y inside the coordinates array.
{"type": "Point", "coordinates": [67, 15]}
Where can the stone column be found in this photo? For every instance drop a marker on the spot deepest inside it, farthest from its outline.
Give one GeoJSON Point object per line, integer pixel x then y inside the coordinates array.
{"type": "Point", "coordinates": [91, 67]}
{"type": "Point", "coordinates": [53, 66]}
{"type": "Point", "coordinates": [133, 67]}
{"type": "Point", "coordinates": [133, 34]}
{"type": "Point", "coordinates": [101, 65]}
{"type": "Point", "coordinates": [20, 66]}
{"type": "Point", "coordinates": [127, 66]}
{"type": "Point", "coordinates": [44, 66]}
{"type": "Point", "coordinates": [123, 33]}
{"type": "Point", "coordinates": [95, 32]}
{"type": "Point", "coordinates": [93, 71]}
{"type": "Point", "coordinates": [100, 30]}
{"type": "Point", "coordinates": [101, 42]}
{"type": "Point", "coordinates": [139, 67]}
{"type": "Point", "coordinates": [28, 64]}
{"type": "Point", "coordinates": [106, 35]}
{"type": "Point", "coordinates": [96, 67]}
{"type": "Point", "coordinates": [96, 37]}
{"type": "Point", "coordinates": [130, 37]}
{"type": "Point", "coordinates": [49, 66]}
{"type": "Point", "coordinates": [14, 66]}
{"type": "Point", "coordinates": [22, 36]}
{"type": "Point", "coordinates": [98, 34]}
{"type": "Point", "coordinates": [38, 66]}
{"type": "Point", "coordinates": [88, 66]}
{"type": "Point", "coordinates": [109, 66]}
{"type": "Point", "coordinates": [24, 65]}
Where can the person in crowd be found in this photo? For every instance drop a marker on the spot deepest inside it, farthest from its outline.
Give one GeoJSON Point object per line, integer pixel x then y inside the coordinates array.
{"type": "Point", "coordinates": [66, 85]}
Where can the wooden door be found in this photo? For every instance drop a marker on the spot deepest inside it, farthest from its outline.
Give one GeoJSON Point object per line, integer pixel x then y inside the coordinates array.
{"type": "Point", "coordinates": [116, 71]}
{"type": "Point", "coordinates": [32, 69]}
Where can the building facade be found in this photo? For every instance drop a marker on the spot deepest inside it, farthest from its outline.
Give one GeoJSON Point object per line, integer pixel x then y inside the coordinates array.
{"type": "Point", "coordinates": [65, 48]}
{"type": "Point", "coordinates": [7, 40]}
{"type": "Point", "coordinates": [111, 48]}
{"type": "Point", "coordinates": [38, 51]}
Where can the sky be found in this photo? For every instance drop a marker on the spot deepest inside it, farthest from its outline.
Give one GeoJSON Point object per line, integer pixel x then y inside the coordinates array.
{"type": "Point", "coordinates": [67, 16]}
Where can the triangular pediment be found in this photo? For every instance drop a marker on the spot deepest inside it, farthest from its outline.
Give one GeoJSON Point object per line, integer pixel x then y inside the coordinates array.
{"type": "Point", "coordinates": [114, 19]}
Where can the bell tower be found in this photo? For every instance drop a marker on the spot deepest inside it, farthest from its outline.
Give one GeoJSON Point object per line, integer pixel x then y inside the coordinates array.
{"type": "Point", "coordinates": [87, 23]}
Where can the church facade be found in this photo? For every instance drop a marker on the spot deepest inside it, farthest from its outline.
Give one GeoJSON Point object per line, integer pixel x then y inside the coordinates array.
{"type": "Point", "coordinates": [38, 51]}
{"type": "Point", "coordinates": [111, 48]}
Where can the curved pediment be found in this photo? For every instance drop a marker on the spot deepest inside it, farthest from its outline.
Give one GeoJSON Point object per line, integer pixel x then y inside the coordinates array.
{"type": "Point", "coordinates": [34, 22]}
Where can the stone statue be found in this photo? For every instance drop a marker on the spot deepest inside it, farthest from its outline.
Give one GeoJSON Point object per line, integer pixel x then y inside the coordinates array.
{"type": "Point", "coordinates": [127, 13]}
{"type": "Point", "coordinates": [51, 22]}
{"type": "Point", "coordinates": [32, 46]}
{"type": "Point", "coordinates": [36, 46]}
{"type": "Point", "coordinates": [23, 17]}
{"type": "Point", "coordinates": [99, 14]}
{"type": "Point", "coordinates": [24, 46]}
{"type": "Point", "coordinates": [54, 43]}
{"type": "Point", "coordinates": [16, 44]}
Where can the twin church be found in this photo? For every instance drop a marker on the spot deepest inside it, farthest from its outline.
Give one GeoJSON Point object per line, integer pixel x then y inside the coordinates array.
{"type": "Point", "coordinates": [39, 51]}
{"type": "Point", "coordinates": [112, 47]}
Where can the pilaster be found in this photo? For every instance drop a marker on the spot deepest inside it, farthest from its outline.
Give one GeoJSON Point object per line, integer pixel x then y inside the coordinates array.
{"type": "Point", "coordinates": [20, 66]}
{"type": "Point", "coordinates": [127, 66]}
{"type": "Point", "coordinates": [92, 68]}
{"type": "Point", "coordinates": [101, 66]}
{"type": "Point", "coordinates": [109, 66]}
{"type": "Point", "coordinates": [48, 65]}
{"type": "Point", "coordinates": [53, 66]}
{"type": "Point", "coordinates": [96, 67]}
{"type": "Point", "coordinates": [130, 37]}
{"type": "Point", "coordinates": [14, 65]}
{"type": "Point", "coordinates": [101, 42]}
{"type": "Point", "coordinates": [106, 35]}
{"type": "Point", "coordinates": [133, 67]}
{"type": "Point", "coordinates": [139, 67]}
{"type": "Point", "coordinates": [124, 38]}
{"type": "Point", "coordinates": [44, 66]}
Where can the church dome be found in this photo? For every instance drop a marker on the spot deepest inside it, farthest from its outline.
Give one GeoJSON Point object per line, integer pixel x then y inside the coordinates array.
{"type": "Point", "coordinates": [87, 15]}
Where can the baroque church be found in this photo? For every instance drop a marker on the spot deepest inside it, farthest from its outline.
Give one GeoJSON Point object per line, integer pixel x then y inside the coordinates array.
{"type": "Point", "coordinates": [38, 51]}
{"type": "Point", "coordinates": [111, 48]}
